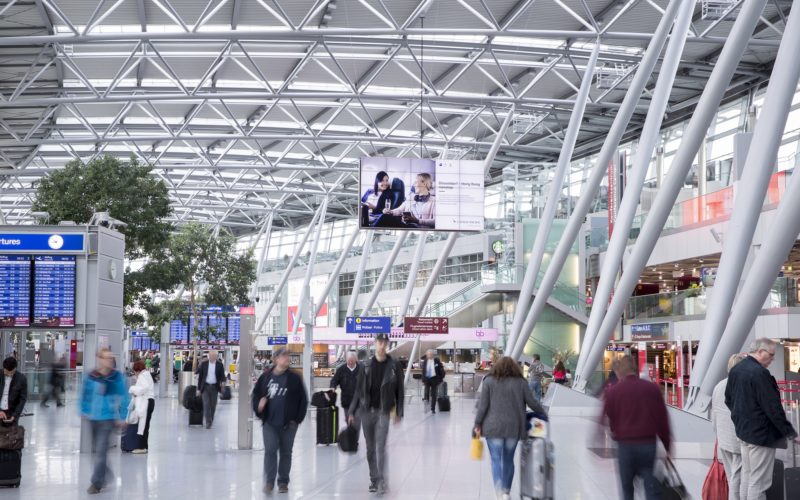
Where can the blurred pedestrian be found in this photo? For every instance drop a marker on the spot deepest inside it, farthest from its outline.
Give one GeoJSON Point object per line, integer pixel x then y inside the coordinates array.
{"type": "Point", "coordinates": [280, 401]}
{"type": "Point", "coordinates": [57, 380]}
{"type": "Point", "coordinates": [754, 399]}
{"type": "Point", "coordinates": [15, 392]}
{"type": "Point", "coordinates": [104, 402]}
{"type": "Point", "coordinates": [501, 419]}
{"type": "Point", "coordinates": [637, 417]}
{"type": "Point", "coordinates": [535, 374]}
{"type": "Point", "coordinates": [379, 393]}
{"type": "Point", "coordinates": [144, 403]}
{"type": "Point", "coordinates": [560, 373]}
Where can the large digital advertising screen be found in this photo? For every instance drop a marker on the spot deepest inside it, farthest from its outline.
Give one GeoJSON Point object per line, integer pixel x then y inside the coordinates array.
{"type": "Point", "coordinates": [419, 194]}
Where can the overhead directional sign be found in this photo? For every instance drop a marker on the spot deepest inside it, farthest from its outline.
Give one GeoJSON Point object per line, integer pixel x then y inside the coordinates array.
{"type": "Point", "coordinates": [277, 340]}
{"type": "Point", "coordinates": [420, 325]}
{"type": "Point", "coordinates": [368, 324]}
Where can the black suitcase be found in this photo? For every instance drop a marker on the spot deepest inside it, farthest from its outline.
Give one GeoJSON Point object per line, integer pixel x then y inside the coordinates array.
{"type": "Point", "coordinates": [327, 425]}
{"type": "Point", "coordinates": [130, 438]}
{"type": "Point", "coordinates": [776, 489]}
{"type": "Point", "coordinates": [226, 393]}
{"type": "Point", "coordinates": [195, 417]}
{"type": "Point", "coordinates": [188, 395]}
{"type": "Point", "coordinates": [10, 468]}
{"type": "Point", "coordinates": [348, 439]}
{"type": "Point", "coordinates": [444, 403]}
{"type": "Point", "coordinates": [323, 399]}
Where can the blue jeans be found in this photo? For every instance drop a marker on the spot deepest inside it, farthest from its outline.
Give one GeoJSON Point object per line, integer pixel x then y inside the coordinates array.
{"type": "Point", "coordinates": [638, 460]}
{"type": "Point", "coordinates": [278, 440]}
{"type": "Point", "coordinates": [536, 387]}
{"type": "Point", "coordinates": [502, 452]}
{"type": "Point", "coordinates": [101, 439]}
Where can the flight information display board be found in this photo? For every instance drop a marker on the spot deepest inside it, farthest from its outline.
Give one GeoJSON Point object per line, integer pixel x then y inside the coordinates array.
{"type": "Point", "coordinates": [178, 332]}
{"type": "Point", "coordinates": [15, 291]}
{"type": "Point", "coordinates": [234, 329]}
{"type": "Point", "coordinates": [220, 325]}
{"type": "Point", "coordinates": [54, 291]}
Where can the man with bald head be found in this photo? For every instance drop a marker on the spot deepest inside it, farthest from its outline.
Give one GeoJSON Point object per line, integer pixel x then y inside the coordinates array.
{"type": "Point", "coordinates": [345, 378]}
{"type": "Point", "coordinates": [209, 384]}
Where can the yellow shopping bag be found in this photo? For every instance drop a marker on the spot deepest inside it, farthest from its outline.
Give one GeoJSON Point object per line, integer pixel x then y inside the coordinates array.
{"type": "Point", "coordinates": [476, 448]}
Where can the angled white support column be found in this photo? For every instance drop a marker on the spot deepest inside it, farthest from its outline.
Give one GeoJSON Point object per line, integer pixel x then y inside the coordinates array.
{"type": "Point", "coordinates": [387, 267]}
{"type": "Point", "coordinates": [549, 213]}
{"type": "Point", "coordinates": [746, 212]}
{"type": "Point", "coordinates": [362, 267]}
{"type": "Point", "coordinates": [640, 79]}
{"type": "Point", "coordinates": [303, 308]}
{"type": "Point", "coordinates": [412, 274]}
{"type": "Point", "coordinates": [266, 233]}
{"type": "Point", "coordinates": [641, 162]}
{"type": "Point", "coordinates": [426, 293]}
{"type": "Point", "coordinates": [657, 216]}
{"type": "Point", "coordinates": [337, 269]}
{"type": "Point", "coordinates": [288, 271]}
{"type": "Point", "coordinates": [767, 264]}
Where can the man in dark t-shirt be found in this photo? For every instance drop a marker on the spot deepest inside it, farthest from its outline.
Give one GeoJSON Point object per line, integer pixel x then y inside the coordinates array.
{"type": "Point", "coordinates": [280, 401]}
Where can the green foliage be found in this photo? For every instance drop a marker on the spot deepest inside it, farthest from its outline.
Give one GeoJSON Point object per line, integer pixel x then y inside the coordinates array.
{"type": "Point", "coordinates": [207, 266]}
{"type": "Point", "coordinates": [126, 190]}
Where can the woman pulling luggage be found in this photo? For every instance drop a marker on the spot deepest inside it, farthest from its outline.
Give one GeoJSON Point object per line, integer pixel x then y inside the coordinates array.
{"type": "Point", "coordinates": [501, 419]}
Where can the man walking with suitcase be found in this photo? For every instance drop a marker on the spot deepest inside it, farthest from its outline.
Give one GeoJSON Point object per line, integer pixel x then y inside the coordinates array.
{"type": "Point", "coordinates": [758, 417]}
{"type": "Point", "coordinates": [209, 385]}
{"type": "Point", "coordinates": [280, 401]}
{"type": "Point", "coordinates": [432, 376]}
{"type": "Point", "coordinates": [378, 394]}
{"type": "Point", "coordinates": [346, 378]}
{"type": "Point", "coordinates": [637, 417]}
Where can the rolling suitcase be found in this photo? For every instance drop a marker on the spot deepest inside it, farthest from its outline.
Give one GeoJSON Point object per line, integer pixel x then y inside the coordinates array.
{"type": "Point", "coordinates": [196, 417]}
{"type": "Point", "coordinates": [327, 425]}
{"type": "Point", "coordinates": [226, 393]}
{"type": "Point", "coordinates": [10, 468]}
{"type": "Point", "coordinates": [443, 400]}
{"type": "Point", "coordinates": [791, 476]}
{"type": "Point", "coordinates": [776, 489]}
{"type": "Point", "coordinates": [130, 439]}
{"type": "Point", "coordinates": [536, 469]}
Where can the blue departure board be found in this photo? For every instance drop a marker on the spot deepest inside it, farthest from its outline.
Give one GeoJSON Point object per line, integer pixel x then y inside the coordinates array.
{"type": "Point", "coordinates": [145, 344]}
{"type": "Point", "coordinates": [234, 329]}
{"type": "Point", "coordinates": [203, 321]}
{"type": "Point", "coordinates": [54, 291]}
{"type": "Point", "coordinates": [136, 343]}
{"type": "Point", "coordinates": [15, 290]}
{"type": "Point", "coordinates": [178, 332]}
{"type": "Point", "coordinates": [220, 324]}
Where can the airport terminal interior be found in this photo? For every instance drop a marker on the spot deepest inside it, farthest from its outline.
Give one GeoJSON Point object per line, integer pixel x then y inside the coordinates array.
{"type": "Point", "coordinates": [219, 219]}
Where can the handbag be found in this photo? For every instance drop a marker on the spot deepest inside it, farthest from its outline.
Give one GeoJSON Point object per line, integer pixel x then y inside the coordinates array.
{"type": "Point", "coordinates": [672, 487]}
{"type": "Point", "coordinates": [132, 417]}
{"type": "Point", "coordinates": [12, 437]}
{"type": "Point", "coordinates": [716, 484]}
{"type": "Point", "coordinates": [476, 448]}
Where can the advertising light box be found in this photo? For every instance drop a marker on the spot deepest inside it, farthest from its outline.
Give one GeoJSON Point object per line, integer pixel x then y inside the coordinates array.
{"type": "Point", "coordinates": [420, 194]}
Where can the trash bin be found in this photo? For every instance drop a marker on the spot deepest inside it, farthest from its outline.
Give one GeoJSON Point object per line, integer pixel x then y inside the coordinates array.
{"type": "Point", "coordinates": [185, 379]}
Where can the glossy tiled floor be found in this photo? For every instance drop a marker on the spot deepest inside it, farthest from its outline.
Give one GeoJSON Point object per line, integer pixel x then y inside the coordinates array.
{"type": "Point", "coordinates": [428, 460]}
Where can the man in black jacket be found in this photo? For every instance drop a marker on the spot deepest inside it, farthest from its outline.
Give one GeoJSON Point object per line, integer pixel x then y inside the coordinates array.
{"type": "Point", "coordinates": [432, 376]}
{"type": "Point", "coordinates": [280, 401]}
{"type": "Point", "coordinates": [758, 417]}
{"type": "Point", "coordinates": [379, 392]}
{"type": "Point", "coordinates": [346, 377]}
{"type": "Point", "coordinates": [14, 395]}
{"type": "Point", "coordinates": [209, 385]}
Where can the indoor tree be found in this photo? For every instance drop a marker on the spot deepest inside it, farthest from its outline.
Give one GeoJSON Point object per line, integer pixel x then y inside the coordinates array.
{"type": "Point", "coordinates": [129, 192]}
{"type": "Point", "coordinates": [210, 270]}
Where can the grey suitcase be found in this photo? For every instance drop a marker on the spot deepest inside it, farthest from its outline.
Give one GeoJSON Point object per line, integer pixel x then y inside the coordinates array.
{"type": "Point", "coordinates": [537, 476]}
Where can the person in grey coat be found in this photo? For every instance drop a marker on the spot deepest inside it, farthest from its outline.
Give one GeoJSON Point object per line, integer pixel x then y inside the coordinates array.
{"type": "Point", "coordinates": [501, 419]}
{"type": "Point", "coordinates": [728, 447]}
